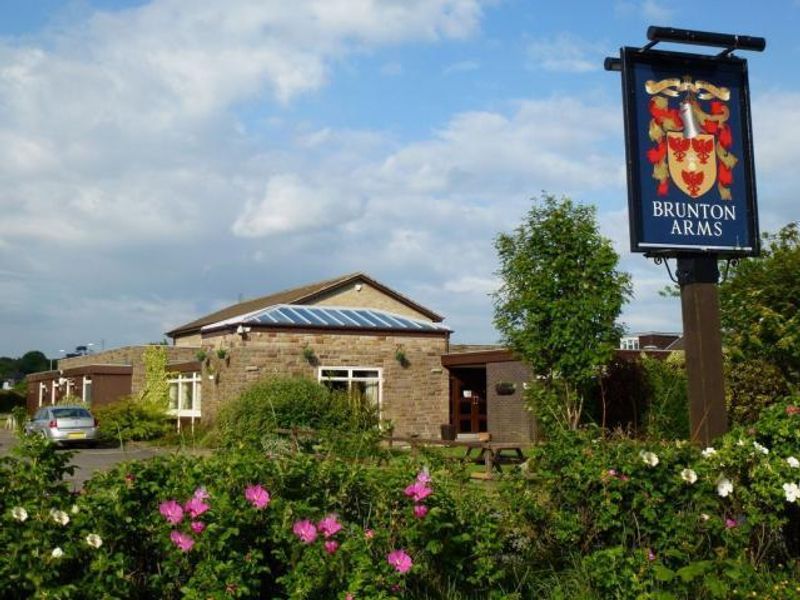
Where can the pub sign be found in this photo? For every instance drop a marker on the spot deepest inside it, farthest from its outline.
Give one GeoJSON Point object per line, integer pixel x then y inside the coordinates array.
{"type": "Point", "coordinates": [691, 182]}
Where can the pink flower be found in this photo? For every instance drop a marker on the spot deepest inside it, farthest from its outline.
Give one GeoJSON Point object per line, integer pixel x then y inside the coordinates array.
{"type": "Point", "coordinates": [369, 534]}
{"type": "Point", "coordinates": [172, 511]}
{"type": "Point", "coordinates": [418, 491]}
{"type": "Point", "coordinates": [257, 496]}
{"type": "Point", "coordinates": [420, 510]}
{"type": "Point", "coordinates": [331, 546]}
{"type": "Point", "coordinates": [612, 472]}
{"type": "Point", "coordinates": [424, 477]}
{"type": "Point", "coordinates": [182, 540]}
{"type": "Point", "coordinates": [201, 494]}
{"type": "Point", "coordinates": [198, 526]}
{"type": "Point", "coordinates": [329, 526]}
{"type": "Point", "coordinates": [349, 596]}
{"type": "Point", "coordinates": [306, 531]}
{"type": "Point", "coordinates": [731, 523]}
{"type": "Point", "coordinates": [401, 561]}
{"type": "Point", "coordinates": [195, 507]}
{"type": "Point", "coordinates": [650, 555]}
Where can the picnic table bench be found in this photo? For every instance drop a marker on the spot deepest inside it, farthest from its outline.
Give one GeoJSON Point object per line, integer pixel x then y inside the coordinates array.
{"type": "Point", "coordinates": [491, 454]}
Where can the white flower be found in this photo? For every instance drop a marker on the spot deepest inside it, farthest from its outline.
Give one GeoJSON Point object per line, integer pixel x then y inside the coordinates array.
{"type": "Point", "coordinates": [59, 516]}
{"type": "Point", "coordinates": [688, 475]}
{"type": "Point", "coordinates": [740, 442]}
{"type": "Point", "coordinates": [724, 487]}
{"type": "Point", "coordinates": [704, 517]}
{"type": "Point", "coordinates": [649, 458]}
{"type": "Point", "coordinates": [792, 492]}
{"type": "Point", "coordinates": [793, 462]}
{"type": "Point", "coordinates": [760, 448]}
{"type": "Point", "coordinates": [19, 513]}
{"type": "Point", "coordinates": [57, 553]}
{"type": "Point", "coordinates": [74, 510]}
{"type": "Point", "coordinates": [94, 540]}
{"type": "Point", "coordinates": [708, 452]}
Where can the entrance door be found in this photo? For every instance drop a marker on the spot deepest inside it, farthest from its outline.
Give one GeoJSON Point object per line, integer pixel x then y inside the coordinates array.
{"type": "Point", "coordinates": [468, 399]}
{"type": "Point", "coordinates": [471, 409]}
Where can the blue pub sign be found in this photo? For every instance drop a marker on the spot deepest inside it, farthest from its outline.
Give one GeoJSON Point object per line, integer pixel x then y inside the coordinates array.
{"type": "Point", "coordinates": [691, 181]}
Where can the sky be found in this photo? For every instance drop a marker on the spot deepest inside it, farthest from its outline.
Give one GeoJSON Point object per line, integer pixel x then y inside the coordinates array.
{"type": "Point", "coordinates": [162, 159]}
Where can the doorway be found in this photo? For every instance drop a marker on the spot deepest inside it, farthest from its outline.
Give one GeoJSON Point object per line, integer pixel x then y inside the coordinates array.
{"type": "Point", "coordinates": [468, 399]}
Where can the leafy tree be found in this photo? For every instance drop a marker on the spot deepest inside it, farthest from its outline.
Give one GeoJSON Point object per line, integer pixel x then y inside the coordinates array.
{"type": "Point", "coordinates": [33, 362]}
{"type": "Point", "coordinates": [761, 323]}
{"type": "Point", "coordinates": [560, 298]}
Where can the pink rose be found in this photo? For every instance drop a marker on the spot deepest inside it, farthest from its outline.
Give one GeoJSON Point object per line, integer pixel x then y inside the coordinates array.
{"type": "Point", "coordinates": [369, 534]}
{"type": "Point", "coordinates": [201, 494]}
{"type": "Point", "coordinates": [401, 561]}
{"type": "Point", "coordinates": [329, 526]}
{"type": "Point", "coordinates": [420, 510]}
{"type": "Point", "coordinates": [257, 496]}
{"type": "Point", "coordinates": [182, 540]}
{"type": "Point", "coordinates": [423, 477]}
{"type": "Point", "coordinates": [306, 531]}
{"type": "Point", "coordinates": [172, 511]}
{"type": "Point", "coordinates": [195, 507]}
{"type": "Point", "coordinates": [418, 491]}
{"type": "Point", "coordinates": [198, 526]}
{"type": "Point", "coordinates": [331, 546]}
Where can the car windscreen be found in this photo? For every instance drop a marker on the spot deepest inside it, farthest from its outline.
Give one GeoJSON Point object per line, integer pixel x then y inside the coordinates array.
{"type": "Point", "coordinates": [71, 413]}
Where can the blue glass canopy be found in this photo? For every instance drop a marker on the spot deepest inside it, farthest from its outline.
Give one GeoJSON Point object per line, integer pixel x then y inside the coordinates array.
{"type": "Point", "coordinates": [321, 317]}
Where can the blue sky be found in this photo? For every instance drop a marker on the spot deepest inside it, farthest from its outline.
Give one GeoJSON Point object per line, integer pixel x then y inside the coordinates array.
{"type": "Point", "coordinates": [160, 158]}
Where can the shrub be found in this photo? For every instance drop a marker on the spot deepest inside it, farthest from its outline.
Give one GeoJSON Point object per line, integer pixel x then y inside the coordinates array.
{"type": "Point", "coordinates": [667, 412]}
{"type": "Point", "coordinates": [10, 399]}
{"type": "Point", "coordinates": [287, 402]}
{"type": "Point", "coordinates": [129, 419]}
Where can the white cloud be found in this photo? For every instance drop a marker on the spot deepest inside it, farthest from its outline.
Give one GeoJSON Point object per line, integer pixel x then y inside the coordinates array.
{"type": "Point", "coordinates": [291, 205]}
{"type": "Point", "coordinates": [566, 53]}
{"type": "Point", "coordinates": [656, 12]}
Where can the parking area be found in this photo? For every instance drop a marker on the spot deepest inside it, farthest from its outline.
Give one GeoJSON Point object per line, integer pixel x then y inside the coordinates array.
{"type": "Point", "coordinates": [90, 460]}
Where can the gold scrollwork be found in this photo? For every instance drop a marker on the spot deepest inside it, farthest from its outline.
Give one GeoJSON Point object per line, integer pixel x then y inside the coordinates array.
{"type": "Point", "coordinates": [673, 87]}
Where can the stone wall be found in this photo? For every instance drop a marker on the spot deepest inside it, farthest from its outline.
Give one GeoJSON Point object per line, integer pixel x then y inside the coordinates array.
{"type": "Point", "coordinates": [509, 421]}
{"type": "Point", "coordinates": [415, 398]}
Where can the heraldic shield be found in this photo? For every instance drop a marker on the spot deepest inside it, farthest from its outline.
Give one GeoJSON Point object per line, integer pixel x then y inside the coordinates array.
{"type": "Point", "coordinates": [692, 162]}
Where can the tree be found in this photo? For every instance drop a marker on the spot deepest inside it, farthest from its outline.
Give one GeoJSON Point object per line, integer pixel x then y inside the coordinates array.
{"type": "Point", "coordinates": [761, 324]}
{"type": "Point", "coordinates": [33, 362]}
{"type": "Point", "coordinates": [560, 298]}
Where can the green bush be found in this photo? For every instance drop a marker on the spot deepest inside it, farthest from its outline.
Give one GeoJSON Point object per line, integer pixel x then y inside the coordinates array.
{"type": "Point", "coordinates": [9, 399]}
{"type": "Point", "coordinates": [591, 517]}
{"type": "Point", "coordinates": [291, 402]}
{"type": "Point", "coordinates": [129, 419]}
{"type": "Point", "coordinates": [667, 411]}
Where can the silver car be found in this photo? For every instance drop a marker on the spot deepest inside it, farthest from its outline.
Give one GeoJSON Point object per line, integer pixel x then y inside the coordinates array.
{"type": "Point", "coordinates": [63, 424]}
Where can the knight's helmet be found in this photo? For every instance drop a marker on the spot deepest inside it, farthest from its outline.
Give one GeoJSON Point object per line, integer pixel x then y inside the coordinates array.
{"type": "Point", "coordinates": [691, 129]}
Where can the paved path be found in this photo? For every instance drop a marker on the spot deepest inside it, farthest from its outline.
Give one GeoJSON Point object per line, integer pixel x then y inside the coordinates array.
{"type": "Point", "coordinates": [90, 460]}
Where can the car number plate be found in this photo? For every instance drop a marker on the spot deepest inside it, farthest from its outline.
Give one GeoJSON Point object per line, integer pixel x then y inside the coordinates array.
{"type": "Point", "coordinates": [78, 435]}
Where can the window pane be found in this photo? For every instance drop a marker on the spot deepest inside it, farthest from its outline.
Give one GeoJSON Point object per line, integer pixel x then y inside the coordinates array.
{"type": "Point", "coordinates": [173, 396]}
{"type": "Point", "coordinates": [328, 373]}
{"type": "Point", "coordinates": [371, 374]}
{"type": "Point", "coordinates": [186, 396]}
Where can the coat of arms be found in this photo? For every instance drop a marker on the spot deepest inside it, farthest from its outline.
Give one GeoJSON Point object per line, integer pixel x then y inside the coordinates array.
{"type": "Point", "coordinates": [692, 141]}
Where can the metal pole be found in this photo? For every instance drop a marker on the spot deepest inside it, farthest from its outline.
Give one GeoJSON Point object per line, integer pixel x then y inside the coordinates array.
{"type": "Point", "coordinates": [698, 277]}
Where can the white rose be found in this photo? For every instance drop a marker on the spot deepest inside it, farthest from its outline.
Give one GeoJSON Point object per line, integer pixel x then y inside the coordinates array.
{"type": "Point", "coordinates": [19, 513]}
{"type": "Point", "coordinates": [792, 492]}
{"type": "Point", "coordinates": [724, 487]}
{"type": "Point", "coordinates": [793, 462]}
{"type": "Point", "coordinates": [59, 516]}
{"type": "Point", "coordinates": [57, 553]}
{"type": "Point", "coordinates": [649, 458]}
{"type": "Point", "coordinates": [688, 475]}
{"type": "Point", "coordinates": [708, 452]}
{"type": "Point", "coordinates": [94, 540]}
{"type": "Point", "coordinates": [760, 448]}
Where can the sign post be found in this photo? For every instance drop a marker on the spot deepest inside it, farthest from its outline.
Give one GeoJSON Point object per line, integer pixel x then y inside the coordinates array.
{"type": "Point", "coordinates": [691, 186]}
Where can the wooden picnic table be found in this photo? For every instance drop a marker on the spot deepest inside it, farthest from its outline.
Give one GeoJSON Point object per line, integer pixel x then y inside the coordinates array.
{"type": "Point", "coordinates": [492, 454]}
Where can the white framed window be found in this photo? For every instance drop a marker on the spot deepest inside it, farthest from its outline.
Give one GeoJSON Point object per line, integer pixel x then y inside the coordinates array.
{"type": "Point", "coordinates": [364, 382]}
{"type": "Point", "coordinates": [185, 395]}
{"type": "Point", "coordinates": [42, 390]}
{"type": "Point", "coordinates": [629, 343]}
{"type": "Point", "coordinates": [86, 392]}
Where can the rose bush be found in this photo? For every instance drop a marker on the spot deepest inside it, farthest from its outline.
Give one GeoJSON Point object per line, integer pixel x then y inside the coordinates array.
{"type": "Point", "coordinates": [588, 517]}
